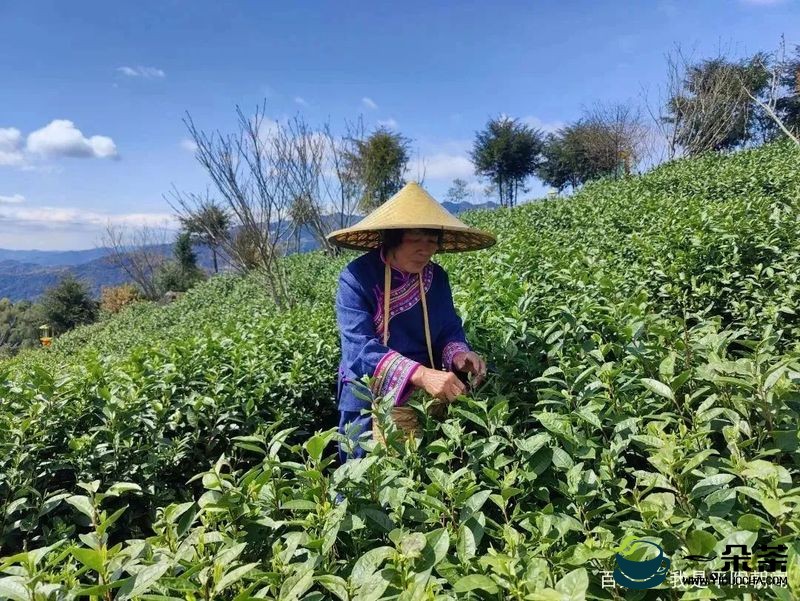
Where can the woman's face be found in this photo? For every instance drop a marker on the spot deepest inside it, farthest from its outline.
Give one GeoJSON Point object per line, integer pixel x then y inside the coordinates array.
{"type": "Point", "coordinates": [414, 251]}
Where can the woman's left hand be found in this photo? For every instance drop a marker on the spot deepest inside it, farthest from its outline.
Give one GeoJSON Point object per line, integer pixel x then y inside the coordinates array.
{"type": "Point", "coordinates": [471, 362]}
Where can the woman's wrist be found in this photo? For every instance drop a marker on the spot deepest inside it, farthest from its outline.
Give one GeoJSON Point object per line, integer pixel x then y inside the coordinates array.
{"type": "Point", "coordinates": [418, 376]}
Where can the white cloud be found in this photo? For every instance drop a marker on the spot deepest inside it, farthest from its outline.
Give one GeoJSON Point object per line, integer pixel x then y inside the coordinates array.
{"type": "Point", "coordinates": [189, 145]}
{"type": "Point", "coordinates": [763, 2]}
{"type": "Point", "coordinates": [61, 138]}
{"type": "Point", "coordinates": [15, 199]}
{"type": "Point", "coordinates": [388, 123]}
{"type": "Point", "coordinates": [548, 127]}
{"type": "Point", "coordinates": [300, 100]}
{"type": "Point", "coordinates": [70, 217]}
{"type": "Point", "coordinates": [11, 147]}
{"type": "Point", "coordinates": [369, 103]}
{"type": "Point", "coordinates": [443, 166]}
{"type": "Point", "coordinates": [143, 72]}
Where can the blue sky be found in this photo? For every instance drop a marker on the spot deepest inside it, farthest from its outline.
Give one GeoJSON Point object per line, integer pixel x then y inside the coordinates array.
{"type": "Point", "coordinates": [93, 93]}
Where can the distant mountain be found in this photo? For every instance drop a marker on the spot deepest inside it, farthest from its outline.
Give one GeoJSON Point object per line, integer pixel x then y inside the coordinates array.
{"type": "Point", "coordinates": [53, 257]}
{"type": "Point", "coordinates": [26, 274]}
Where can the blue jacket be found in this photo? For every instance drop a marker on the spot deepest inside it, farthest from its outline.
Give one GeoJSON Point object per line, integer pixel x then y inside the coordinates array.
{"type": "Point", "coordinates": [359, 313]}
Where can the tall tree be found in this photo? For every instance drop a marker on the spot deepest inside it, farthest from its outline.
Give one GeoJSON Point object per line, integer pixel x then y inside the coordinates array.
{"type": "Point", "coordinates": [707, 105]}
{"type": "Point", "coordinates": [68, 304]}
{"type": "Point", "coordinates": [507, 153]}
{"type": "Point", "coordinates": [210, 224]}
{"type": "Point", "coordinates": [606, 142]}
{"type": "Point", "coordinates": [380, 161]}
{"type": "Point", "coordinates": [181, 273]}
{"type": "Point", "coordinates": [458, 192]}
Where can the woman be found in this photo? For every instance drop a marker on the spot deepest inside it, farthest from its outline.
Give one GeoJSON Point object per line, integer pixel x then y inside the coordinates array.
{"type": "Point", "coordinates": [422, 344]}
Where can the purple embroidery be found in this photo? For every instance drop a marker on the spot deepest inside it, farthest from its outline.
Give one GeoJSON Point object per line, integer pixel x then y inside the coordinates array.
{"type": "Point", "coordinates": [403, 297]}
{"type": "Point", "coordinates": [392, 376]}
{"type": "Point", "coordinates": [450, 351]}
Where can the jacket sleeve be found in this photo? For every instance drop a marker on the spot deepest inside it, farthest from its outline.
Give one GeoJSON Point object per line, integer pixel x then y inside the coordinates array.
{"type": "Point", "coordinates": [451, 339]}
{"type": "Point", "coordinates": [363, 352]}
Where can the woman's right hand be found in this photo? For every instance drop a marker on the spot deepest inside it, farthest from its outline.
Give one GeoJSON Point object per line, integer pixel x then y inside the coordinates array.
{"type": "Point", "coordinates": [443, 385]}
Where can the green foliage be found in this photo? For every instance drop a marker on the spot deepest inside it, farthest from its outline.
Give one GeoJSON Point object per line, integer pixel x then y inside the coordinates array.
{"type": "Point", "coordinates": [68, 304]}
{"type": "Point", "coordinates": [646, 383]}
{"type": "Point", "coordinates": [380, 162]}
{"type": "Point", "coordinates": [209, 224]}
{"type": "Point", "coordinates": [181, 273]}
{"type": "Point", "coordinates": [19, 326]}
{"type": "Point", "coordinates": [458, 192]}
{"type": "Point", "coordinates": [712, 109]}
{"type": "Point", "coordinates": [507, 153]}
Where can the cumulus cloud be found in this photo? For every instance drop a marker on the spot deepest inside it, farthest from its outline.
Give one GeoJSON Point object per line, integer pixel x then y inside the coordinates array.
{"type": "Point", "coordinates": [388, 123]}
{"type": "Point", "coordinates": [143, 72]}
{"type": "Point", "coordinates": [11, 147]}
{"type": "Point", "coordinates": [548, 127]}
{"type": "Point", "coordinates": [369, 103]}
{"type": "Point", "coordinates": [14, 199]}
{"type": "Point", "coordinates": [70, 217]}
{"type": "Point", "coordinates": [300, 100]}
{"type": "Point", "coordinates": [61, 138]}
{"type": "Point", "coordinates": [442, 166]}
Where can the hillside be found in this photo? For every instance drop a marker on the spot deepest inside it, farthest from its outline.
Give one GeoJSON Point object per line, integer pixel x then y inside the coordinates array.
{"type": "Point", "coordinates": [26, 274]}
{"type": "Point", "coordinates": [645, 347]}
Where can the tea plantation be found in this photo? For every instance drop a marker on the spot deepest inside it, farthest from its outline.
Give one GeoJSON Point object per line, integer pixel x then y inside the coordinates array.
{"type": "Point", "coordinates": [645, 346]}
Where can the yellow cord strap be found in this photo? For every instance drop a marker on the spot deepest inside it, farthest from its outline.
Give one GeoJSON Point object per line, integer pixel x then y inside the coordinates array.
{"type": "Point", "coordinates": [387, 290]}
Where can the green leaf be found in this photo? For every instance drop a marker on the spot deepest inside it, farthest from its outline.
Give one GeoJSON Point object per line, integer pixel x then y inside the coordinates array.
{"type": "Point", "coordinates": [466, 545]}
{"type": "Point", "coordinates": [334, 584]}
{"type": "Point", "coordinates": [91, 558]}
{"type": "Point", "coordinates": [439, 542]}
{"type": "Point", "coordinates": [234, 576]}
{"type": "Point", "coordinates": [315, 447]}
{"type": "Point", "coordinates": [574, 585]}
{"type": "Point", "coordinates": [123, 487]}
{"type": "Point", "coordinates": [700, 543]}
{"type": "Point", "coordinates": [300, 505]}
{"type": "Point", "coordinates": [367, 564]}
{"type": "Point", "coordinates": [474, 503]}
{"type": "Point", "coordinates": [297, 584]}
{"type": "Point", "coordinates": [469, 583]}
{"type": "Point", "coordinates": [13, 587]}
{"type": "Point", "coordinates": [659, 388]}
{"type": "Point", "coordinates": [142, 581]}
{"type": "Point", "coordinates": [561, 459]}
{"type": "Point", "coordinates": [82, 504]}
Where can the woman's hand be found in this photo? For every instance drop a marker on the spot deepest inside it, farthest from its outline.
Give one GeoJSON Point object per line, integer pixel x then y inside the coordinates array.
{"type": "Point", "coordinates": [443, 385]}
{"type": "Point", "coordinates": [472, 363]}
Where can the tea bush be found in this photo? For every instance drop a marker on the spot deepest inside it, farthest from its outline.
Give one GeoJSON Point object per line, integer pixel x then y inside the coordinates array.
{"type": "Point", "coordinates": [646, 356]}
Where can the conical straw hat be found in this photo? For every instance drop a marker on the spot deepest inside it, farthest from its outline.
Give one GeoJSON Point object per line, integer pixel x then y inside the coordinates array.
{"type": "Point", "coordinates": [411, 208]}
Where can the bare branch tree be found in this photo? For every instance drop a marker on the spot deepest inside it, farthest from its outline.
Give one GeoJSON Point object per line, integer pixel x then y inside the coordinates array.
{"type": "Point", "coordinates": [252, 178]}
{"type": "Point", "coordinates": [620, 132]}
{"type": "Point", "coordinates": [769, 104]}
{"type": "Point", "coordinates": [139, 252]}
{"type": "Point", "coordinates": [702, 105]}
{"type": "Point", "coordinates": [342, 184]}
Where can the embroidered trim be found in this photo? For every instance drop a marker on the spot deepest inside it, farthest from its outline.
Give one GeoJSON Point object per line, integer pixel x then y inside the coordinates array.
{"type": "Point", "coordinates": [392, 376]}
{"type": "Point", "coordinates": [451, 349]}
{"type": "Point", "coordinates": [403, 297]}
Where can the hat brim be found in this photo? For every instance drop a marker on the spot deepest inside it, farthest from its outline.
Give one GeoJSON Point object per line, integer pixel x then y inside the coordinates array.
{"type": "Point", "coordinates": [453, 239]}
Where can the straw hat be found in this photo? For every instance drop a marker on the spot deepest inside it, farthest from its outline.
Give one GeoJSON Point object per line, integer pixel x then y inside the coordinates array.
{"type": "Point", "coordinates": [412, 208]}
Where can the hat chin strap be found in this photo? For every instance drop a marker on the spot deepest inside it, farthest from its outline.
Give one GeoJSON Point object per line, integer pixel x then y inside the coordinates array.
{"type": "Point", "coordinates": [387, 290]}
